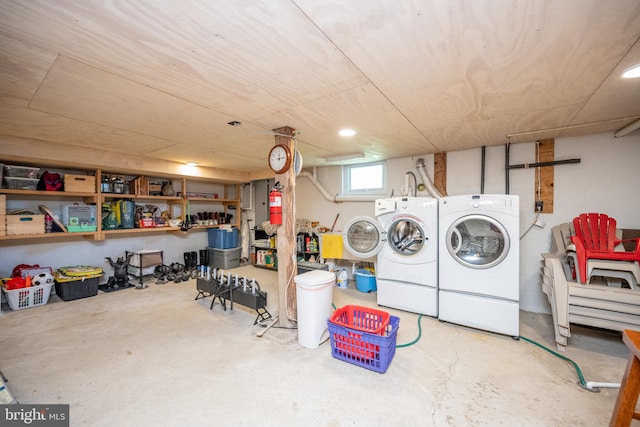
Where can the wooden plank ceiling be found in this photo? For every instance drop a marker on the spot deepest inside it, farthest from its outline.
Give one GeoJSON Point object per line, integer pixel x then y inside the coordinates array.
{"type": "Point", "coordinates": [161, 79]}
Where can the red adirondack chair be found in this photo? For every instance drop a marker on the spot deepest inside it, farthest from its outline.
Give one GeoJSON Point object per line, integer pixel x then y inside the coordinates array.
{"type": "Point", "coordinates": [596, 239]}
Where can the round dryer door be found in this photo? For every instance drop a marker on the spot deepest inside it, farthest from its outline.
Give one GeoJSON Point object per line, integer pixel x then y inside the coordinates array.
{"type": "Point", "coordinates": [406, 237]}
{"type": "Point", "coordinates": [477, 241]}
{"type": "Point", "coordinates": [363, 236]}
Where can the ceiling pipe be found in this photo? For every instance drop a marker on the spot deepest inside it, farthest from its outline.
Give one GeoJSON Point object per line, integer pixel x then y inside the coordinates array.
{"type": "Point", "coordinates": [421, 166]}
{"type": "Point", "coordinates": [335, 198]}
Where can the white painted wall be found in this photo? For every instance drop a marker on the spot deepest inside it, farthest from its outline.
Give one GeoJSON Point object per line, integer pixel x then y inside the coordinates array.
{"type": "Point", "coordinates": [606, 180]}
{"type": "Point", "coordinates": [85, 252]}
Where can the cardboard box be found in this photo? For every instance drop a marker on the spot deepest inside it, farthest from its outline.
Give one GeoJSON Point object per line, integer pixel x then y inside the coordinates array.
{"type": "Point", "coordinates": [3, 204]}
{"type": "Point", "coordinates": [155, 189]}
{"type": "Point", "coordinates": [79, 183]}
{"type": "Point", "coordinates": [3, 225]}
{"type": "Point", "coordinates": [25, 224]}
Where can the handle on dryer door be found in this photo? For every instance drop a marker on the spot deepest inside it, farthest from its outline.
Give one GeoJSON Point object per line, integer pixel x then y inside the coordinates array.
{"type": "Point", "coordinates": [457, 248]}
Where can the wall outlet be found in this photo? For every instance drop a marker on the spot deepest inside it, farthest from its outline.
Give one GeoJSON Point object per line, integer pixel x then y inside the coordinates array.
{"type": "Point", "coordinates": [539, 205]}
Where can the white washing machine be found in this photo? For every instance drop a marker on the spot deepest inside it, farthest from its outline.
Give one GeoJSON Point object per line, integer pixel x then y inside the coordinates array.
{"type": "Point", "coordinates": [479, 262]}
{"type": "Point", "coordinates": [403, 237]}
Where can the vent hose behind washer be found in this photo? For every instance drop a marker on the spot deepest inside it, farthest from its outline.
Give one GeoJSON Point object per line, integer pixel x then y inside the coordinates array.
{"type": "Point", "coordinates": [421, 166]}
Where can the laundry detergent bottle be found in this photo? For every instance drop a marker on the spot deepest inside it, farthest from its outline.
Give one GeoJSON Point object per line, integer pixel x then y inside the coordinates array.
{"type": "Point", "coordinates": [342, 279]}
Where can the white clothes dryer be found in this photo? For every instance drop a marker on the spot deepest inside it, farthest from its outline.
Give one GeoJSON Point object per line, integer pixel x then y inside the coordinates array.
{"type": "Point", "coordinates": [479, 262]}
{"type": "Point", "coordinates": [403, 237]}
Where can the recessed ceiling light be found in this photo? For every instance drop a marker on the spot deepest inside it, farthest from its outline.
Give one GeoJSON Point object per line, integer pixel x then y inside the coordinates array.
{"type": "Point", "coordinates": [347, 132]}
{"type": "Point", "coordinates": [192, 164]}
{"type": "Point", "coordinates": [631, 72]}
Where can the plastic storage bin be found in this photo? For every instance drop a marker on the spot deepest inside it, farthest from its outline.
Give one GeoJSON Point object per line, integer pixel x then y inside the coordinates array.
{"type": "Point", "coordinates": [21, 183]}
{"type": "Point", "coordinates": [224, 258]}
{"type": "Point", "coordinates": [79, 215]}
{"type": "Point", "coordinates": [33, 296]}
{"type": "Point", "coordinates": [359, 337]}
{"type": "Point", "coordinates": [75, 289]}
{"type": "Point", "coordinates": [21, 172]}
{"type": "Point", "coordinates": [223, 238]}
{"type": "Point", "coordinates": [314, 292]}
{"type": "Point", "coordinates": [365, 280]}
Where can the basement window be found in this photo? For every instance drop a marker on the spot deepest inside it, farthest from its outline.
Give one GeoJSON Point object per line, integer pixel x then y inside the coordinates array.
{"type": "Point", "coordinates": [366, 179]}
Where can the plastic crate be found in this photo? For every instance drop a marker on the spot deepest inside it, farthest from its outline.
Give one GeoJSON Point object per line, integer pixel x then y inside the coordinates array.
{"type": "Point", "coordinates": [21, 172]}
{"type": "Point", "coordinates": [223, 238]}
{"type": "Point", "coordinates": [28, 297]}
{"type": "Point", "coordinates": [361, 318]}
{"type": "Point", "coordinates": [21, 183]}
{"type": "Point", "coordinates": [373, 351]}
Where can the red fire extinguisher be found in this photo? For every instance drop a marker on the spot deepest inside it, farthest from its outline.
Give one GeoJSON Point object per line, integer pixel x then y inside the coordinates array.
{"type": "Point", "coordinates": [275, 207]}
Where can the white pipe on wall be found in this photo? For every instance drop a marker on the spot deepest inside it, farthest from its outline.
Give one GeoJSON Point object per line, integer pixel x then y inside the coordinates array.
{"type": "Point", "coordinates": [422, 170]}
{"type": "Point", "coordinates": [335, 198]}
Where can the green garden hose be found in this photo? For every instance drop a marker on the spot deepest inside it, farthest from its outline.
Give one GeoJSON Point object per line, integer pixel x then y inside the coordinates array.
{"type": "Point", "coordinates": [582, 382]}
{"type": "Point", "coordinates": [417, 338]}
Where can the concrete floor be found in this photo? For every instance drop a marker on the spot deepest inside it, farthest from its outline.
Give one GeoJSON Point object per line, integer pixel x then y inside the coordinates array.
{"type": "Point", "coordinates": [157, 357]}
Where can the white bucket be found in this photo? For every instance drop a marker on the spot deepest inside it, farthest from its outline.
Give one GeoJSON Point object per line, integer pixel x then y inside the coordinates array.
{"type": "Point", "coordinates": [314, 293]}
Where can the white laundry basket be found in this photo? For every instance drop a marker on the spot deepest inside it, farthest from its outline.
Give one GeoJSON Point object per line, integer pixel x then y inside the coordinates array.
{"type": "Point", "coordinates": [314, 291]}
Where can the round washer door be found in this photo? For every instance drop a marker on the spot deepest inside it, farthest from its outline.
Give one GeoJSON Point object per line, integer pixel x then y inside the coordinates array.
{"type": "Point", "coordinates": [406, 236]}
{"type": "Point", "coordinates": [363, 236]}
{"type": "Point", "coordinates": [477, 241]}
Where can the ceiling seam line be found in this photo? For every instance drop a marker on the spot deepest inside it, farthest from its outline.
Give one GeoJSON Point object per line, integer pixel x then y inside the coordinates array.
{"type": "Point", "coordinates": [363, 73]}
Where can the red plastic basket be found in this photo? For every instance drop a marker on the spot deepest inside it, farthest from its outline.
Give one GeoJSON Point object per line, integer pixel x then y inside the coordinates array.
{"type": "Point", "coordinates": [370, 350]}
{"type": "Point", "coordinates": [361, 318]}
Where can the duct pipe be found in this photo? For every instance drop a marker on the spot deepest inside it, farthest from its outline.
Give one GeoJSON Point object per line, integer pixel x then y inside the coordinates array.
{"type": "Point", "coordinates": [335, 198]}
{"type": "Point", "coordinates": [421, 166]}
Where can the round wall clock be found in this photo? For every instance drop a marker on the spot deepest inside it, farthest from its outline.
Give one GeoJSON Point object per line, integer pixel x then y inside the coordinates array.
{"type": "Point", "coordinates": [280, 158]}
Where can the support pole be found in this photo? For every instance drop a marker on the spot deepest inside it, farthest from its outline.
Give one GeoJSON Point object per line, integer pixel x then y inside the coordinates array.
{"type": "Point", "coordinates": [286, 239]}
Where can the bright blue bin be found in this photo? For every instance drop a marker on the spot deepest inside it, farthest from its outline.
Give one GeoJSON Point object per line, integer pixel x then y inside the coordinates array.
{"type": "Point", "coordinates": [221, 238]}
{"type": "Point", "coordinates": [365, 280]}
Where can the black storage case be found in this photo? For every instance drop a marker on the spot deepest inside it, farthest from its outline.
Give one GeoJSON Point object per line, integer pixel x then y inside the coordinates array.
{"type": "Point", "coordinates": [68, 291]}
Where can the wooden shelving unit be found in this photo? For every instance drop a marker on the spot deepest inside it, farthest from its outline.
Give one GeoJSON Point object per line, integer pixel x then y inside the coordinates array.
{"type": "Point", "coordinates": [97, 198]}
